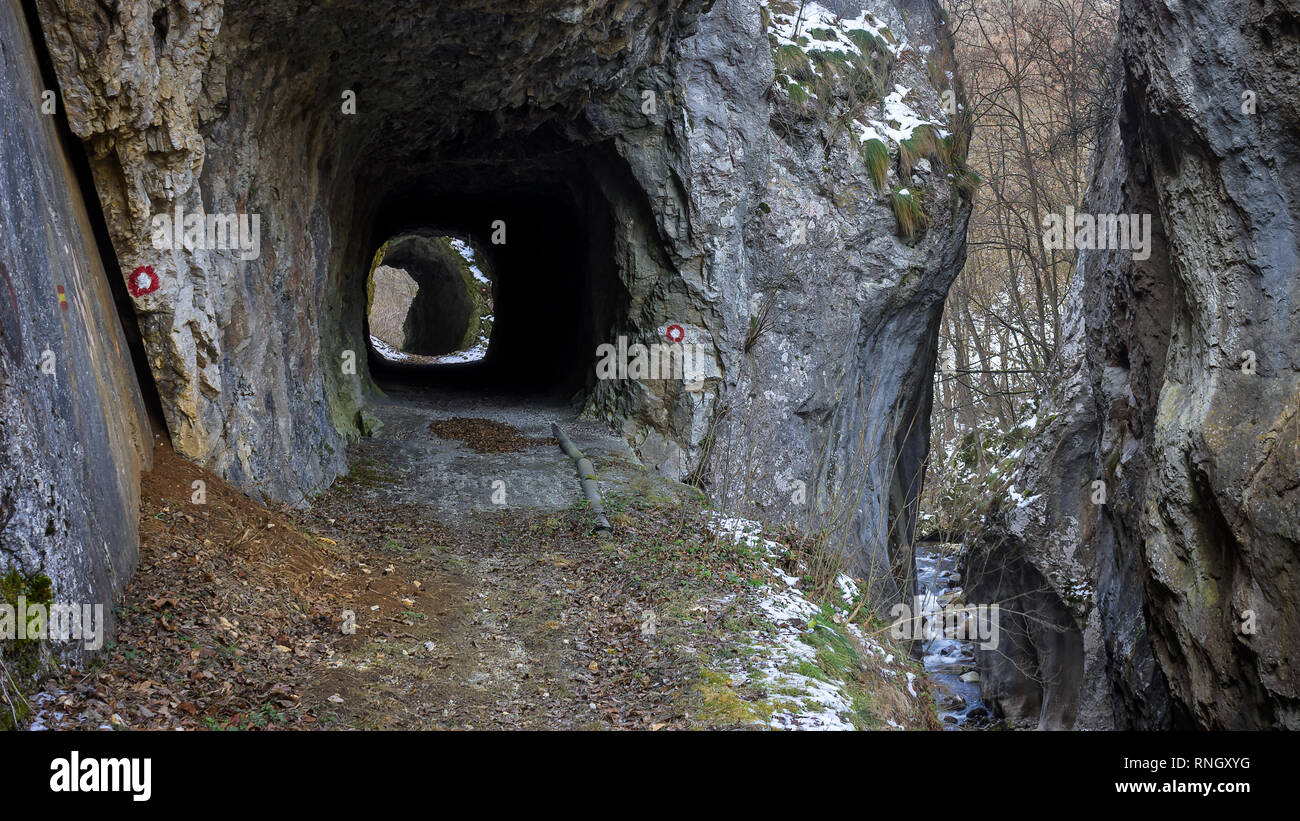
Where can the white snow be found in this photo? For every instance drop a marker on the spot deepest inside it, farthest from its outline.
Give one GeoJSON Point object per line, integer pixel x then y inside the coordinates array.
{"type": "Point", "coordinates": [869, 133]}
{"type": "Point", "coordinates": [467, 253]}
{"type": "Point", "coordinates": [848, 588]}
{"type": "Point", "coordinates": [776, 652]}
{"type": "Point", "coordinates": [789, 27]}
{"type": "Point", "coordinates": [1020, 499]}
{"type": "Point", "coordinates": [897, 111]}
{"type": "Point", "coordinates": [897, 120]}
{"type": "Point", "coordinates": [394, 355]}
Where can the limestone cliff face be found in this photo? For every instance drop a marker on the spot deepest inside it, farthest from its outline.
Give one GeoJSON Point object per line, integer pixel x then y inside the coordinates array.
{"type": "Point", "coordinates": [1173, 603]}
{"type": "Point", "coordinates": [241, 108]}
{"type": "Point", "coordinates": [74, 435]}
{"type": "Point", "coordinates": [652, 163]}
{"type": "Point", "coordinates": [782, 257]}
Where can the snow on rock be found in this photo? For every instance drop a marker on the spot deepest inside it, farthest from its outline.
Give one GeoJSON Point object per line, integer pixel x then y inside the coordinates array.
{"type": "Point", "coordinates": [907, 120]}
{"type": "Point", "coordinates": [467, 253]}
{"type": "Point", "coordinates": [793, 29]}
{"type": "Point", "coordinates": [813, 28]}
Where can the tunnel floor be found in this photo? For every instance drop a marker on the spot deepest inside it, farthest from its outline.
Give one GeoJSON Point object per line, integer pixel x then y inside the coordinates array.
{"type": "Point", "coordinates": [448, 477]}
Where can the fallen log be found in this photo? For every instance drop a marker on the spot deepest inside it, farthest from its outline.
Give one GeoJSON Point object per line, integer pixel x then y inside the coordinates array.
{"type": "Point", "coordinates": [586, 475]}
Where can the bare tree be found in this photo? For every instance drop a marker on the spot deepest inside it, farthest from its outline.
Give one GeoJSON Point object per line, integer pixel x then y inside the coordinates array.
{"type": "Point", "coordinates": [1040, 77]}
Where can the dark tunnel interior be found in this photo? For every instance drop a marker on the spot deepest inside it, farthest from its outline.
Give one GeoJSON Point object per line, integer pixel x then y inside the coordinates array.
{"type": "Point", "coordinates": [548, 235]}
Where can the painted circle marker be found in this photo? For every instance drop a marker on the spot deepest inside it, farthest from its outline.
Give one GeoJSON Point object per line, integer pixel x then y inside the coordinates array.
{"type": "Point", "coordinates": [142, 281]}
{"type": "Point", "coordinates": [675, 333]}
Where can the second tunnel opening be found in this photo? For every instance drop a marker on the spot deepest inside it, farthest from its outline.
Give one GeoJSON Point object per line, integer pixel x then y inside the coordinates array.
{"type": "Point", "coordinates": [430, 299]}
{"type": "Point", "coordinates": [538, 286]}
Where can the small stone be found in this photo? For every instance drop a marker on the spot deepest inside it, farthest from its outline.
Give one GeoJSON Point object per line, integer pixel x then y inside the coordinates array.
{"type": "Point", "coordinates": [952, 702]}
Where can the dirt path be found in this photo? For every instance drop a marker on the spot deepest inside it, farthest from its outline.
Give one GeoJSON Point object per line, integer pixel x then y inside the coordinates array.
{"type": "Point", "coordinates": [414, 595]}
{"type": "Point", "coordinates": [517, 591]}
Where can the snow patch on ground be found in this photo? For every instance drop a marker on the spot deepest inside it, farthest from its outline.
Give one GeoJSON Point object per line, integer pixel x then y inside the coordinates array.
{"type": "Point", "coordinates": [775, 653]}
{"type": "Point", "coordinates": [392, 354]}
{"type": "Point", "coordinates": [847, 587]}
{"type": "Point", "coordinates": [47, 715]}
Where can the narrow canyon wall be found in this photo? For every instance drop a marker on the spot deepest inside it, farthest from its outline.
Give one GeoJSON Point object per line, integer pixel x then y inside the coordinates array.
{"type": "Point", "coordinates": [74, 434]}
{"type": "Point", "coordinates": [783, 259]}
{"type": "Point", "coordinates": [1155, 574]}
{"type": "Point", "coordinates": [654, 166]}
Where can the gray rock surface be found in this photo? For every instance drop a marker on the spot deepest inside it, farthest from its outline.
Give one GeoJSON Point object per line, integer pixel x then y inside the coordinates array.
{"type": "Point", "coordinates": [1173, 603]}
{"type": "Point", "coordinates": [824, 416]}
{"type": "Point", "coordinates": [722, 200]}
{"type": "Point", "coordinates": [74, 434]}
{"type": "Point", "coordinates": [390, 300]}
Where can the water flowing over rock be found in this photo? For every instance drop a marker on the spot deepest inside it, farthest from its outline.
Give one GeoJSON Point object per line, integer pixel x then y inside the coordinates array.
{"type": "Point", "coordinates": [640, 166]}
{"type": "Point", "coordinates": [1155, 574]}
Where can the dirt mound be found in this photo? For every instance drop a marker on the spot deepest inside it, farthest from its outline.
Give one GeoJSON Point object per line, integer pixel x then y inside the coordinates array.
{"type": "Point", "coordinates": [231, 609]}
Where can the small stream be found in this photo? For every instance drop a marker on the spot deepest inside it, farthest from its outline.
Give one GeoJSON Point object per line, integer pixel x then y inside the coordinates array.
{"type": "Point", "coordinates": [947, 660]}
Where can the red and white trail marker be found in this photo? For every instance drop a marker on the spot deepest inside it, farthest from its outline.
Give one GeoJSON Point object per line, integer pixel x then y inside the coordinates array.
{"type": "Point", "coordinates": [143, 281]}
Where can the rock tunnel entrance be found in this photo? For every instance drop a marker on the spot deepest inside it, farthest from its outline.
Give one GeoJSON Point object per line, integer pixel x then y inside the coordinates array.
{"type": "Point", "coordinates": [430, 299]}
{"type": "Point", "coordinates": [619, 166]}
{"type": "Point", "coordinates": [515, 276]}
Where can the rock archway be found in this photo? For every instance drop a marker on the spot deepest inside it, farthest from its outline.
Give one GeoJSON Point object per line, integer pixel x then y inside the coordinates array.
{"type": "Point", "coordinates": [544, 226]}
{"type": "Point", "coordinates": [652, 169]}
{"type": "Point", "coordinates": [432, 296]}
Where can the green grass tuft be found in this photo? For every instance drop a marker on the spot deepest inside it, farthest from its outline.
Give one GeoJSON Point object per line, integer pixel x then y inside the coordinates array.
{"type": "Point", "coordinates": [876, 156]}
{"type": "Point", "coordinates": [799, 95]}
{"type": "Point", "coordinates": [967, 182]}
{"type": "Point", "coordinates": [793, 61]}
{"type": "Point", "coordinates": [912, 219]}
{"type": "Point", "coordinates": [924, 142]}
{"type": "Point", "coordinates": [849, 80]}
{"type": "Point", "coordinates": [866, 42]}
